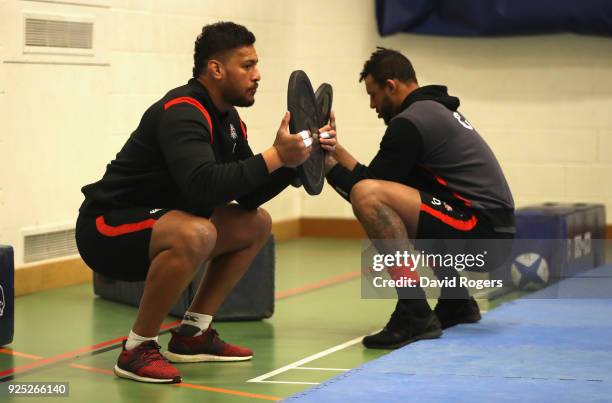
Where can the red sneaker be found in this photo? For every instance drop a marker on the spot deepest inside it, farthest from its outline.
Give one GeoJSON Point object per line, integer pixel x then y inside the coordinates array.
{"type": "Point", "coordinates": [146, 364]}
{"type": "Point", "coordinates": [205, 347]}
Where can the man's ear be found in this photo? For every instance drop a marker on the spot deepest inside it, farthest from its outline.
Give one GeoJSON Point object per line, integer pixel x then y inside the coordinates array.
{"type": "Point", "coordinates": [391, 85]}
{"type": "Point", "coordinates": [215, 68]}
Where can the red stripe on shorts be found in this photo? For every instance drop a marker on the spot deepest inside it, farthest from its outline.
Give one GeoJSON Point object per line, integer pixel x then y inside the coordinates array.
{"type": "Point", "coordinates": [443, 183]}
{"type": "Point", "coordinates": [453, 222]}
{"type": "Point", "coordinates": [123, 229]}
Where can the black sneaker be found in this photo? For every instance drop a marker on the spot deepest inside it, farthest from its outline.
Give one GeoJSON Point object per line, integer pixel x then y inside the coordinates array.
{"type": "Point", "coordinates": [452, 312]}
{"type": "Point", "coordinates": [403, 328]}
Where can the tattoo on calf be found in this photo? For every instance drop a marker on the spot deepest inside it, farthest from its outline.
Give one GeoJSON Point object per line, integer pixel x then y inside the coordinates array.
{"type": "Point", "coordinates": [381, 222]}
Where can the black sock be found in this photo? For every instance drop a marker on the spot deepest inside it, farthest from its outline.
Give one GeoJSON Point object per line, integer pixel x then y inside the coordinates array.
{"type": "Point", "coordinates": [415, 292]}
{"type": "Point", "coordinates": [188, 330]}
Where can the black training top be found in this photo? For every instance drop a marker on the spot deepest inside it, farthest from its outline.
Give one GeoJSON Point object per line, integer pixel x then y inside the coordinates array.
{"type": "Point", "coordinates": [430, 146]}
{"type": "Point", "coordinates": [185, 154]}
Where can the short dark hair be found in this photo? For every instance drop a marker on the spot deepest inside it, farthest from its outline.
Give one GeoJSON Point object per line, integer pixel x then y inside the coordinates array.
{"type": "Point", "coordinates": [218, 37]}
{"type": "Point", "coordinates": [387, 64]}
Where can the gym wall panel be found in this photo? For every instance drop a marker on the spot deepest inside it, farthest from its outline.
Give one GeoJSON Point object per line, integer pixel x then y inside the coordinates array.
{"type": "Point", "coordinates": [604, 146]}
{"type": "Point", "coordinates": [147, 75]}
{"type": "Point", "coordinates": [3, 118]}
{"type": "Point", "coordinates": [48, 114]}
{"type": "Point", "coordinates": [564, 146]}
{"type": "Point", "coordinates": [541, 102]}
{"type": "Point", "coordinates": [125, 24]}
{"type": "Point", "coordinates": [55, 123]}
{"type": "Point", "coordinates": [589, 112]}
{"type": "Point", "coordinates": [285, 206]}
{"type": "Point", "coordinates": [592, 180]}
{"type": "Point", "coordinates": [4, 174]}
{"type": "Point", "coordinates": [335, 206]}
{"type": "Point", "coordinates": [248, 11]}
{"type": "Point", "coordinates": [530, 180]}
{"type": "Point", "coordinates": [126, 110]}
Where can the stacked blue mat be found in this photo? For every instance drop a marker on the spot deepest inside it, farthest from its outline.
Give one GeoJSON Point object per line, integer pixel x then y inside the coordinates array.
{"type": "Point", "coordinates": [534, 349]}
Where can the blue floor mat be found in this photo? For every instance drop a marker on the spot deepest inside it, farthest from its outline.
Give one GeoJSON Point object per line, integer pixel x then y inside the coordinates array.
{"type": "Point", "coordinates": [528, 350]}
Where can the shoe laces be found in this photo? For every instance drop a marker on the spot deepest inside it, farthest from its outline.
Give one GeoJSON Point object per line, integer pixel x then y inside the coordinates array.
{"type": "Point", "coordinates": [152, 353]}
{"type": "Point", "coordinates": [214, 336]}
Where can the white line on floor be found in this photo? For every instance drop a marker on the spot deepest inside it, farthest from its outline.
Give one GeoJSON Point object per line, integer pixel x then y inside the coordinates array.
{"type": "Point", "coordinates": [313, 357]}
{"type": "Point", "coordinates": [290, 382]}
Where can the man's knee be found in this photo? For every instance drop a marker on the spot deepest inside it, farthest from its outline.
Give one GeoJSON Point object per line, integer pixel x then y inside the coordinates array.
{"type": "Point", "coordinates": [196, 238]}
{"type": "Point", "coordinates": [265, 223]}
{"type": "Point", "coordinates": [247, 226]}
{"type": "Point", "coordinates": [259, 225]}
{"type": "Point", "coordinates": [365, 194]}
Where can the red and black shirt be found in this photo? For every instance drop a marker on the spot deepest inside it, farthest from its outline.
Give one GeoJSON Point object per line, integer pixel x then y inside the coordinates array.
{"type": "Point", "coordinates": [185, 154]}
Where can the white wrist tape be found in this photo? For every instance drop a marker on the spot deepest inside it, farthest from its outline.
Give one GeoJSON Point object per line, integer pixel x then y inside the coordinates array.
{"type": "Point", "coordinates": [305, 134]}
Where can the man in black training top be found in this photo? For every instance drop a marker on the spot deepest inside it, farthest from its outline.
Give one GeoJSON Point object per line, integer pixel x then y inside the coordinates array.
{"type": "Point", "coordinates": [162, 207]}
{"type": "Point", "coordinates": [433, 177]}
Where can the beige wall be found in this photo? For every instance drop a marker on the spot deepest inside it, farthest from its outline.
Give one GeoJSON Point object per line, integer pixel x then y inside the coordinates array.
{"type": "Point", "coordinates": [543, 103]}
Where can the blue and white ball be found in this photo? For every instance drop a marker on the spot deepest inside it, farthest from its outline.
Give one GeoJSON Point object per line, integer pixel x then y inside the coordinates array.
{"type": "Point", "coordinates": [530, 271]}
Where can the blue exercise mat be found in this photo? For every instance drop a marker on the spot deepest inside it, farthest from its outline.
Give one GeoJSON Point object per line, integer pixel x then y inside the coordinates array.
{"type": "Point", "coordinates": [528, 350]}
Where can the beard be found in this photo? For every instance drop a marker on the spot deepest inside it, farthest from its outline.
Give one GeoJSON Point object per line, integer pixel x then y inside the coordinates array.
{"type": "Point", "coordinates": [239, 98]}
{"type": "Point", "coordinates": [387, 110]}
{"type": "Point", "coordinates": [243, 101]}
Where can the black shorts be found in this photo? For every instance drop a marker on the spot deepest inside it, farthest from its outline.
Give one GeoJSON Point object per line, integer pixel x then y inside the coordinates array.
{"type": "Point", "coordinates": [449, 226]}
{"type": "Point", "coordinates": [116, 243]}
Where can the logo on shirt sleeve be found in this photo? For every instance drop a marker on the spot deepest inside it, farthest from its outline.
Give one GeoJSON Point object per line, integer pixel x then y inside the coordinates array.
{"type": "Point", "coordinates": [464, 122]}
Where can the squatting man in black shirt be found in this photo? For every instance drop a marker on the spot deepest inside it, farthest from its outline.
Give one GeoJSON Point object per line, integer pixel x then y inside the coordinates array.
{"type": "Point", "coordinates": [433, 179]}
{"type": "Point", "coordinates": [163, 206]}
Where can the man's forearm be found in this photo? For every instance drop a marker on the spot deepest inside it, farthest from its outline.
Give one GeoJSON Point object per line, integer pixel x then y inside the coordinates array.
{"type": "Point", "coordinates": [343, 157]}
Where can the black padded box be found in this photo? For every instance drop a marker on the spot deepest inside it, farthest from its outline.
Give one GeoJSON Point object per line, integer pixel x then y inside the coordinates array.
{"type": "Point", "coordinates": [251, 299]}
{"type": "Point", "coordinates": [7, 294]}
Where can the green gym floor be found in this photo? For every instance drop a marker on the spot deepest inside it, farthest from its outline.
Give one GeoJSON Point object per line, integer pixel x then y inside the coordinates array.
{"type": "Point", "coordinates": [69, 335]}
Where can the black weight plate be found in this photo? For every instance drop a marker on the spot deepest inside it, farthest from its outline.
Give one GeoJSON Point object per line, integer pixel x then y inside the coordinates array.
{"type": "Point", "coordinates": [301, 102]}
{"type": "Point", "coordinates": [324, 97]}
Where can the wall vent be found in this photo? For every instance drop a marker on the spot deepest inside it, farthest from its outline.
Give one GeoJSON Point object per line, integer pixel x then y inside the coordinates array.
{"type": "Point", "coordinates": [49, 245]}
{"type": "Point", "coordinates": [57, 35]}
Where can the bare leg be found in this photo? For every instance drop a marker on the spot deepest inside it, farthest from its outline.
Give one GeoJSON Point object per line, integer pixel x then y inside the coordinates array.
{"type": "Point", "coordinates": [241, 235]}
{"type": "Point", "coordinates": [387, 210]}
{"type": "Point", "coordinates": [180, 242]}
{"type": "Point", "coordinates": [389, 213]}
